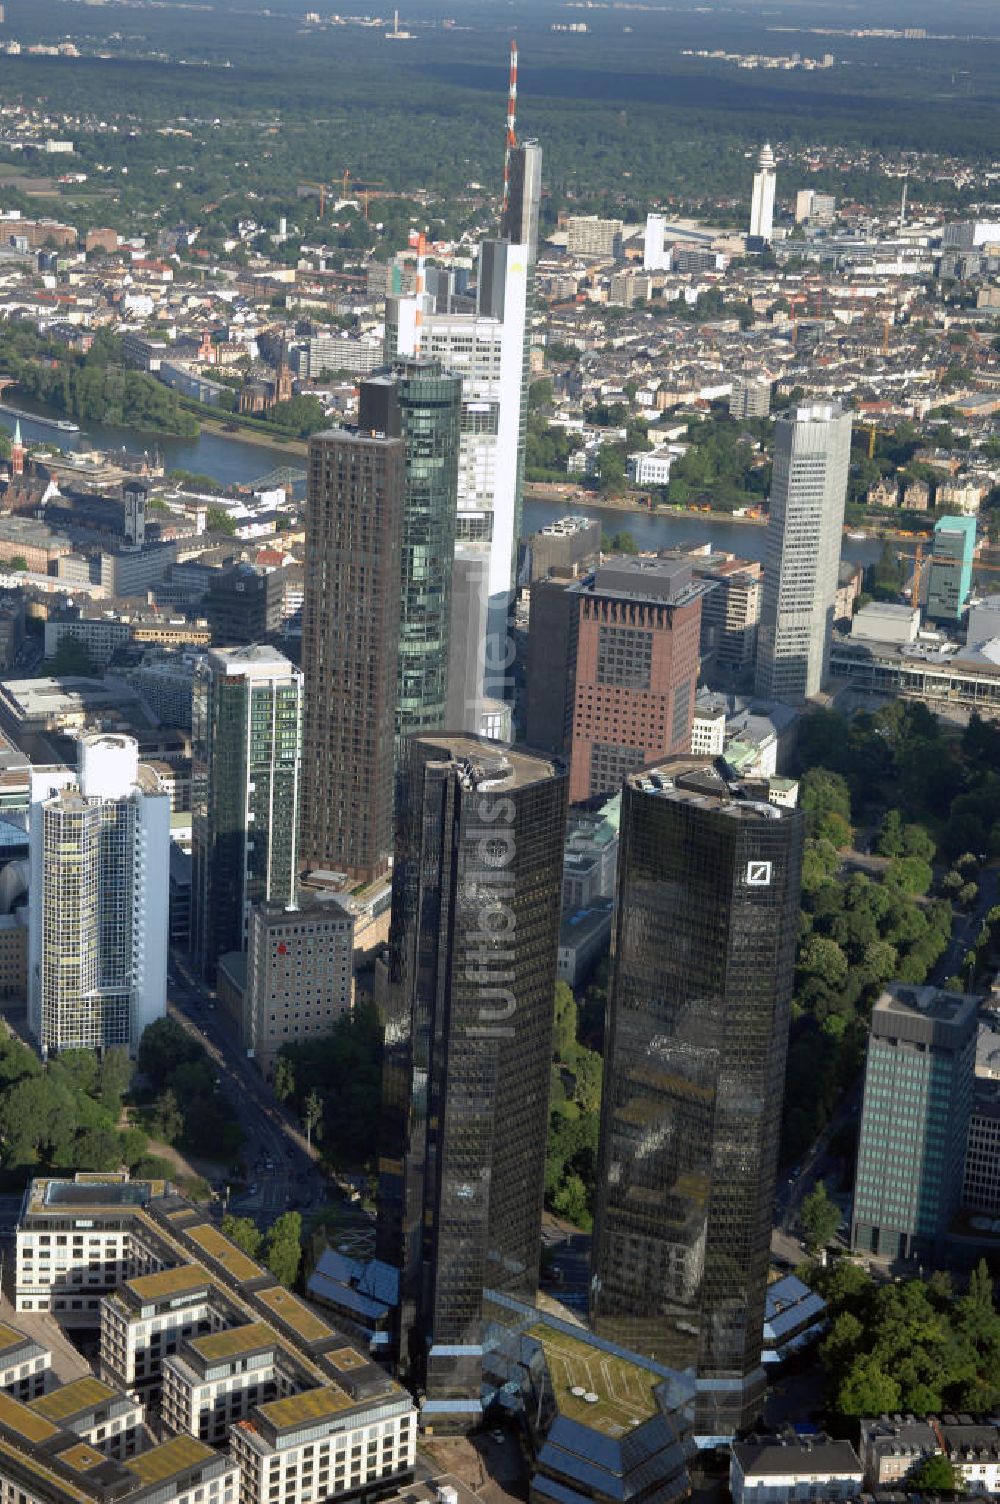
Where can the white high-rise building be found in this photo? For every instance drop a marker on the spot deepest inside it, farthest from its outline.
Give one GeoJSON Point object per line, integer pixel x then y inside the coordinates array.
{"type": "Point", "coordinates": [812, 455]}
{"type": "Point", "coordinates": [654, 257]}
{"type": "Point", "coordinates": [488, 350]}
{"type": "Point", "coordinates": [762, 204]}
{"type": "Point", "coordinates": [98, 900]}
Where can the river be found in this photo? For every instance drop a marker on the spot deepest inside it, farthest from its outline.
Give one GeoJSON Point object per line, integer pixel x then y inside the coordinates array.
{"type": "Point", "coordinates": [233, 461]}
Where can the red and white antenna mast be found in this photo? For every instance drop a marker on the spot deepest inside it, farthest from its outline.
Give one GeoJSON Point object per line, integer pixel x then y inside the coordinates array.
{"type": "Point", "coordinates": [511, 118]}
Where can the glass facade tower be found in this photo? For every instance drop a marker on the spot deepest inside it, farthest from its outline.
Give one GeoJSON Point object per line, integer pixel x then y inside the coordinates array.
{"type": "Point", "coordinates": [476, 896]}
{"type": "Point", "coordinates": [695, 1044]}
{"type": "Point", "coordinates": [420, 405]}
{"type": "Point", "coordinates": [246, 739]}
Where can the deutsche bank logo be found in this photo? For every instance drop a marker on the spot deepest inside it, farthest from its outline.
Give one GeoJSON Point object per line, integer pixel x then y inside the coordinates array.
{"type": "Point", "coordinates": [759, 874]}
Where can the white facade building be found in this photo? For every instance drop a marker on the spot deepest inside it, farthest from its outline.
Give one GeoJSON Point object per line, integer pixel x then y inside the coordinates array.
{"type": "Point", "coordinates": [98, 900]}
{"type": "Point", "coordinates": [812, 455]}
{"type": "Point", "coordinates": [487, 349]}
{"type": "Point", "coordinates": [762, 203]}
{"type": "Point", "coordinates": [654, 257]}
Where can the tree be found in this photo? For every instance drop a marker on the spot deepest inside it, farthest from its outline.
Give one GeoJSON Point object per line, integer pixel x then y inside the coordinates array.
{"type": "Point", "coordinates": [165, 1046]}
{"type": "Point", "coordinates": [312, 1115]}
{"type": "Point", "coordinates": [911, 873]}
{"type": "Point", "coordinates": [245, 1233]}
{"type": "Point", "coordinates": [217, 520]}
{"type": "Point", "coordinates": [283, 1250]}
{"type": "Point", "coordinates": [823, 959]}
{"type": "Point", "coordinates": [564, 1028]}
{"type": "Point", "coordinates": [935, 1475]}
{"type": "Point", "coordinates": [284, 1078]}
{"type": "Point", "coordinates": [867, 1389]}
{"type": "Point", "coordinates": [71, 658]}
{"type": "Point", "coordinates": [167, 1121]}
{"type": "Point", "coordinates": [820, 1217]}
{"type": "Point", "coordinates": [19, 562]}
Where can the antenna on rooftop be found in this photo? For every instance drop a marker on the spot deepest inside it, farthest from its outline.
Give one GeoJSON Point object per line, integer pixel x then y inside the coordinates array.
{"type": "Point", "coordinates": [511, 118]}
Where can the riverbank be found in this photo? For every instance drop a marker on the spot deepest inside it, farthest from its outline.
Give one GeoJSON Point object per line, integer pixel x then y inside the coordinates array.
{"type": "Point", "coordinates": [572, 498]}
{"type": "Point", "coordinates": [263, 440]}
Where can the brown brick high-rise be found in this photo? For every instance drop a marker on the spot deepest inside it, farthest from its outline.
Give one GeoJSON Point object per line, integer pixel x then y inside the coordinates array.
{"type": "Point", "coordinates": [350, 650]}
{"type": "Point", "coordinates": [636, 670]}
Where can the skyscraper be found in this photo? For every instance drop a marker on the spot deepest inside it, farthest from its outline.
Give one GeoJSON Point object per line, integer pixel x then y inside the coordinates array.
{"type": "Point", "coordinates": [350, 650]}
{"type": "Point", "coordinates": [420, 405]}
{"type": "Point", "coordinates": [654, 256]}
{"type": "Point", "coordinates": [762, 202]}
{"type": "Point", "coordinates": [949, 578]}
{"type": "Point", "coordinates": [914, 1122]}
{"type": "Point", "coordinates": [97, 932]}
{"type": "Point", "coordinates": [615, 658]}
{"type": "Point", "coordinates": [476, 900]}
{"type": "Point", "coordinates": [812, 456]}
{"type": "Point", "coordinates": [695, 1044]}
{"type": "Point", "coordinates": [246, 740]}
{"type": "Point", "coordinates": [519, 217]}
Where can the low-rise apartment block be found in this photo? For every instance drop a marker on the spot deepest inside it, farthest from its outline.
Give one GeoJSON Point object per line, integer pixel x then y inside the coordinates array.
{"type": "Point", "coordinates": [146, 1319]}
{"type": "Point", "coordinates": [101, 1416]}
{"type": "Point", "coordinates": [216, 1380]}
{"type": "Point", "coordinates": [24, 1364]}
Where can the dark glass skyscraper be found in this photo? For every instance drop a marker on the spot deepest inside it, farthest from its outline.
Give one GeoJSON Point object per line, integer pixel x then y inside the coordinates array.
{"type": "Point", "coordinates": [697, 1030]}
{"type": "Point", "coordinates": [350, 650]}
{"type": "Point", "coordinates": [246, 747]}
{"type": "Point", "coordinates": [476, 891]}
{"type": "Point", "coordinates": [420, 405]}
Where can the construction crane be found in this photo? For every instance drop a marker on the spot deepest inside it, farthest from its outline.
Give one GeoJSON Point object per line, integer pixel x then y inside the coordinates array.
{"type": "Point", "coordinates": [319, 188]}
{"type": "Point", "coordinates": [918, 558]}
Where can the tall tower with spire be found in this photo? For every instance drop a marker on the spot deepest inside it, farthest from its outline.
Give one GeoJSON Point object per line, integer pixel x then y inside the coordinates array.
{"type": "Point", "coordinates": [762, 204]}
{"type": "Point", "coordinates": [17, 451]}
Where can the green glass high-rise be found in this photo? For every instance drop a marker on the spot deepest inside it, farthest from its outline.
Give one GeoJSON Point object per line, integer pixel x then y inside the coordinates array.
{"type": "Point", "coordinates": [420, 405]}
{"type": "Point", "coordinates": [246, 752]}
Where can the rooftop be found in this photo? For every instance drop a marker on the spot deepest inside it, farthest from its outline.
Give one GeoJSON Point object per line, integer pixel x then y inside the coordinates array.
{"type": "Point", "coordinates": [17, 1417]}
{"type": "Point", "coordinates": [233, 1260]}
{"type": "Point", "coordinates": [300, 1409]}
{"type": "Point", "coordinates": [492, 765]}
{"type": "Point", "coordinates": [290, 1310]}
{"type": "Point", "coordinates": [11, 1338]}
{"type": "Point", "coordinates": [71, 1399]}
{"type": "Point", "coordinates": [710, 783]}
{"type": "Point", "coordinates": [218, 1346]}
{"type": "Point", "coordinates": [169, 1459]}
{"type": "Point", "coordinates": [597, 1388]}
{"type": "Point", "coordinates": [169, 1282]}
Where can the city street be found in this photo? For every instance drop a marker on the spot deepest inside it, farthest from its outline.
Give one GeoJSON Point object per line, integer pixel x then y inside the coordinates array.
{"type": "Point", "coordinates": [275, 1154]}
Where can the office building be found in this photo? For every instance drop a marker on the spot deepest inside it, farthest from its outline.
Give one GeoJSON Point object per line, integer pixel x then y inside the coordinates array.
{"type": "Point", "coordinates": [782, 1469]}
{"type": "Point", "coordinates": [470, 605]}
{"type": "Point", "coordinates": [612, 668]}
{"type": "Point", "coordinates": [564, 547]}
{"type": "Point", "coordinates": [135, 494]}
{"type": "Point", "coordinates": [587, 235]}
{"type": "Point", "coordinates": [476, 899]}
{"type": "Point", "coordinates": [519, 216]}
{"type": "Point", "coordinates": [750, 398]}
{"type": "Point", "coordinates": [97, 933]}
{"type": "Point", "coordinates": [762, 202]}
{"type": "Point", "coordinates": [654, 257]}
{"type": "Point", "coordinates": [730, 611]}
{"type": "Point", "coordinates": [949, 575]}
{"type": "Point", "coordinates": [914, 1121]}
{"type": "Point", "coordinates": [634, 670]}
{"type": "Point", "coordinates": [245, 604]}
{"type": "Point", "coordinates": [246, 740]}
{"type": "Point", "coordinates": [300, 977]}
{"type": "Point", "coordinates": [242, 1364]}
{"type": "Point", "coordinates": [816, 209]}
{"type": "Point", "coordinates": [420, 405]}
{"type": "Point", "coordinates": [694, 1065]}
{"type": "Point", "coordinates": [812, 455]}
{"type": "Point", "coordinates": [350, 650]}
{"type": "Point", "coordinates": [487, 349]}
{"type": "Point", "coordinates": [550, 666]}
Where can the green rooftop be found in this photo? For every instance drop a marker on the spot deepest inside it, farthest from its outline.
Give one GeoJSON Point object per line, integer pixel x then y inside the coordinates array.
{"type": "Point", "coordinates": [303, 1322]}
{"type": "Point", "coordinates": [218, 1346]}
{"type": "Point", "coordinates": [17, 1417]}
{"type": "Point", "coordinates": [11, 1337]}
{"type": "Point", "coordinates": [311, 1405]}
{"type": "Point", "coordinates": [233, 1260]}
{"type": "Point", "coordinates": [169, 1282]}
{"type": "Point", "coordinates": [622, 1390]}
{"type": "Point", "coordinates": [71, 1399]}
{"type": "Point", "coordinates": [166, 1461]}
